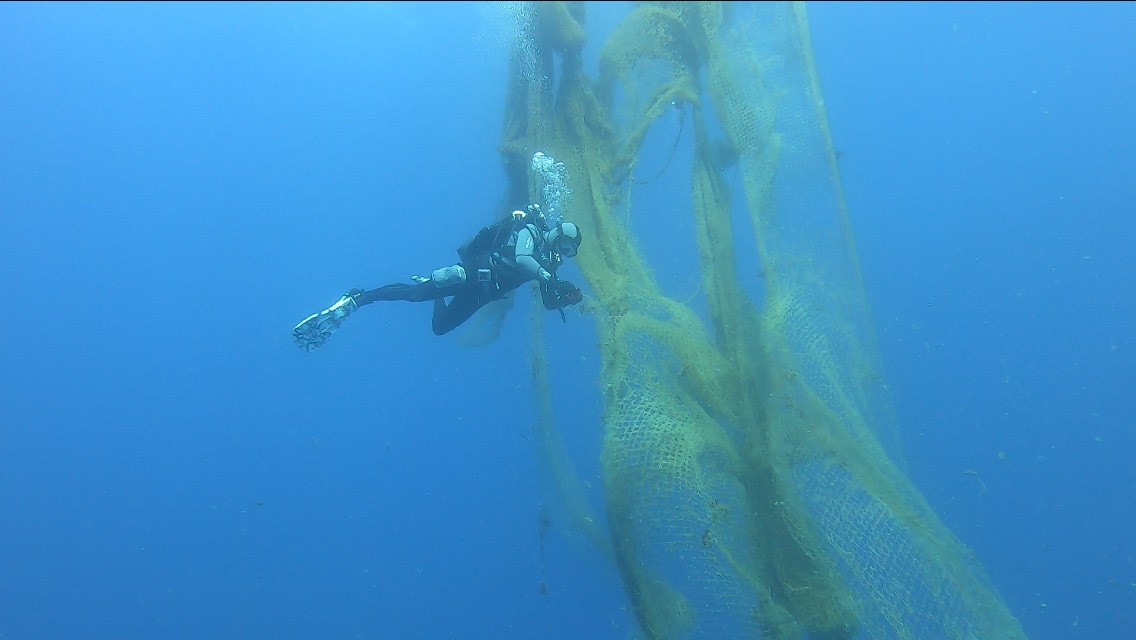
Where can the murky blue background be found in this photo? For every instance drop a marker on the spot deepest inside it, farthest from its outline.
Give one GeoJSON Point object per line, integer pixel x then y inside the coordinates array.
{"type": "Point", "coordinates": [181, 183]}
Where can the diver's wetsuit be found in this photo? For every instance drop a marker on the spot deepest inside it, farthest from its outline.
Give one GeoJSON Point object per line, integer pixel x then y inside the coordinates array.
{"type": "Point", "coordinates": [523, 259]}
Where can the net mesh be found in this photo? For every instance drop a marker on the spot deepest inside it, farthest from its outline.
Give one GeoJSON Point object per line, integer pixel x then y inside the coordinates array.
{"type": "Point", "coordinates": [748, 454]}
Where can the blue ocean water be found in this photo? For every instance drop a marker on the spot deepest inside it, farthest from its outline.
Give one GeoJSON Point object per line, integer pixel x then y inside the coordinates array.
{"type": "Point", "coordinates": [181, 183]}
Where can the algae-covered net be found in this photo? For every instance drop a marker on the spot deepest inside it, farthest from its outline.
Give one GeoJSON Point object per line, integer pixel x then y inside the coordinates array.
{"type": "Point", "coordinates": [750, 482]}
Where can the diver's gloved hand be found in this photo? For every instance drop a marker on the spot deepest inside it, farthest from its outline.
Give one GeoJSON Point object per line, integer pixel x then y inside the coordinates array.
{"type": "Point", "coordinates": [569, 293]}
{"type": "Point", "coordinates": [558, 294]}
{"type": "Point", "coordinates": [318, 327]}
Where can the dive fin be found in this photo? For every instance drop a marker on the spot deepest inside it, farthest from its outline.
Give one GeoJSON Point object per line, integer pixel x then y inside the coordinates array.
{"type": "Point", "coordinates": [310, 334]}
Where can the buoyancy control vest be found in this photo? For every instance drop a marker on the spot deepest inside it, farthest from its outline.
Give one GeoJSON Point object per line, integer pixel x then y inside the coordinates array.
{"type": "Point", "coordinates": [498, 235]}
{"type": "Point", "coordinates": [483, 254]}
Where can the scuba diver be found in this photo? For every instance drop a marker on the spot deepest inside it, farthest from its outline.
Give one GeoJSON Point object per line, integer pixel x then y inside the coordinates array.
{"type": "Point", "coordinates": [501, 257]}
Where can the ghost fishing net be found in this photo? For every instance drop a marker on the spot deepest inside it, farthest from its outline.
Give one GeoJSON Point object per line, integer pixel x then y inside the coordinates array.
{"type": "Point", "coordinates": [750, 486]}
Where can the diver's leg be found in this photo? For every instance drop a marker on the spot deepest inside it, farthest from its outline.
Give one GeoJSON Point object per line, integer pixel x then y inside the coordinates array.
{"type": "Point", "coordinates": [448, 317]}
{"type": "Point", "coordinates": [446, 281]}
{"type": "Point", "coordinates": [419, 292]}
{"type": "Point", "coordinates": [314, 330]}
